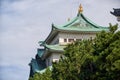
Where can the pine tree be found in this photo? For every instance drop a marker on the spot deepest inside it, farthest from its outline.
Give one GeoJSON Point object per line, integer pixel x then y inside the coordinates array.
{"type": "Point", "coordinates": [47, 75]}
{"type": "Point", "coordinates": [107, 45]}
{"type": "Point", "coordinates": [97, 59]}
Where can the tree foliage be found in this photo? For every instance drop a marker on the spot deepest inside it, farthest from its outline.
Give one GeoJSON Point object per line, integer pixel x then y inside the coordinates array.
{"type": "Point", "coordinates": [75, 54]}
{"type": "Point", "coordinates": [107, 46]}
{"type": "Point", "coordinates": [97, 59]}
{"type": "Point", "coordinates": [47, 75]}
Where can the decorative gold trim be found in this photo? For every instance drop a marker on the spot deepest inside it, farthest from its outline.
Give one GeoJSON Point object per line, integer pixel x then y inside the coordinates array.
{"type": "Point", "coordinates": [80, 10]}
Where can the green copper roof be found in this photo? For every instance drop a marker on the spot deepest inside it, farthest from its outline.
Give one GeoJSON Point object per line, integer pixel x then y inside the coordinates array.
{"type": "Point", "coordinates": [81, 23]}
{"type": "Point", "coordinates": [35, 66]}
{"type": "Point", "coordinates": [40, 52]}
{"type": "Point", "coordinates": [55, 47]}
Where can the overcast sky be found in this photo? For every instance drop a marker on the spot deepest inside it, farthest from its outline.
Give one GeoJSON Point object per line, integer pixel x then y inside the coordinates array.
{"type": "Point", "coordinates": [25, 22]}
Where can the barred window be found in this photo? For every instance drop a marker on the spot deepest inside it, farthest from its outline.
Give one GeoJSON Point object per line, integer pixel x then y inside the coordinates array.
{"type": "Point", "coordinates": [65, 40]}
{"type": "Point", "coordinates": [78, 39]}
{"type": "Point", "coordinates": [71, 40]}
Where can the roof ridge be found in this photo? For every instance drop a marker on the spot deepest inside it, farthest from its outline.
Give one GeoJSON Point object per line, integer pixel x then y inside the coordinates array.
{"type": "Point", "coordinates": [91, 22]}
{"type": "Point", "coordinates": [71, 21]}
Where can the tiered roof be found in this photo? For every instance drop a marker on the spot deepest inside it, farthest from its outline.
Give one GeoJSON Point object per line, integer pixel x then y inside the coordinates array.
{"type": "Point", "coordinates": [78, 24]}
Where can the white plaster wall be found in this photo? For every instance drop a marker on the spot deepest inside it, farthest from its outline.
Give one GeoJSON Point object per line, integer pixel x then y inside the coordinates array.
{"type": "Point", "coordinates": [49, 61]}
{"type": "Point", "coordinates": [52, 58]}
{"type": "Point", "coordinates": [56, 56]}
{"type": "Point", "coordinates": [74, 36]}
{"type": "Point", "coordinates": [59, 39]}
